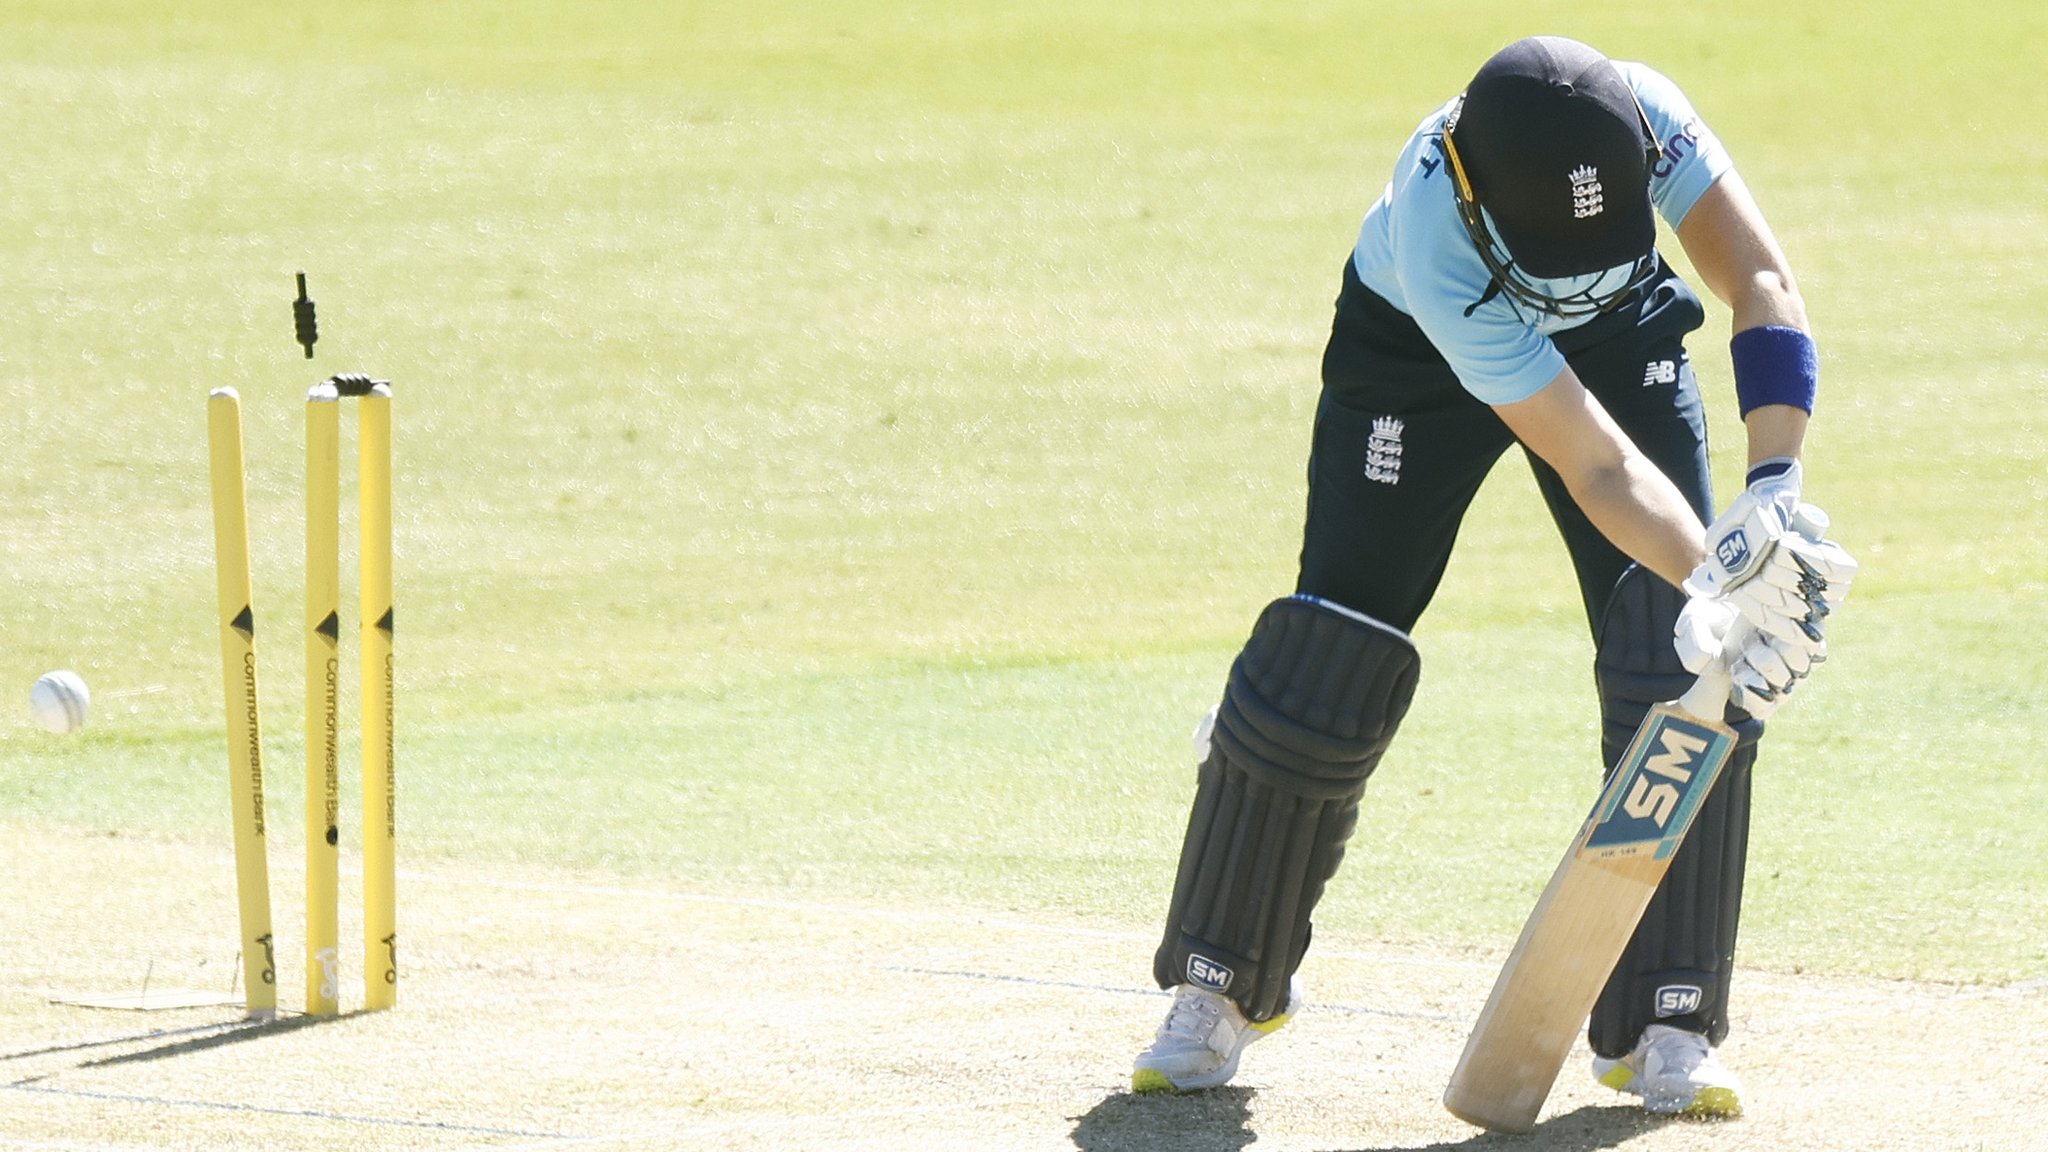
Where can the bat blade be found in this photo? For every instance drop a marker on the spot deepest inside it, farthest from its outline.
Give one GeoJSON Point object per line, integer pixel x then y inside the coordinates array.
{"type": "Point", "coordinates": [1586, 915]}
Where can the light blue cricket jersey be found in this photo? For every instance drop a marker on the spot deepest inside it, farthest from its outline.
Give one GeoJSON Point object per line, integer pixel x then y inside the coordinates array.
{"type": "Point", "coordinates": [1413, 250]}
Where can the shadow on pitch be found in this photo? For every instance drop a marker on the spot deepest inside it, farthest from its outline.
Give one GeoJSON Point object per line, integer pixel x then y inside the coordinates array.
{"type": "Point", "coordinates": [240, 1032]}
{"type": "Point", "coordinates": [1587, 1129]}
{"type": "Point", "coordinates": [1220, 1121]}
{"type": "Point", "coordinates": [1214, 1121]}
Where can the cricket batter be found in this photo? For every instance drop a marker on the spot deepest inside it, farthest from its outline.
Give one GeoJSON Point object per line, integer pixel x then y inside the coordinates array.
{"type": "Point", "coordinates": [1506, 290]}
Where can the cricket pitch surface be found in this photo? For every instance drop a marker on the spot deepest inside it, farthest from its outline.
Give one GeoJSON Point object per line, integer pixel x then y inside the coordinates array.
{"type": "Point", "coordinates": [548, 1010]}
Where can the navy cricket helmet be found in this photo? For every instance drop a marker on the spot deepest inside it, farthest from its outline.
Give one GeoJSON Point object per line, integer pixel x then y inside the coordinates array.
{"type": "Point", "coordinates": [1551, 154]}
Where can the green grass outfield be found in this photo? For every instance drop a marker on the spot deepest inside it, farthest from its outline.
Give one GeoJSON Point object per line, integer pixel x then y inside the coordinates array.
{"type": "Point", "coordinates": [841, 446]}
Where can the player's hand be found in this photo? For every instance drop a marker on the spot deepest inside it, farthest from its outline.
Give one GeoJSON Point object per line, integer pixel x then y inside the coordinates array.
{"type": "Point", "coordinates": [1765, 673]}
{"type": "Point", "coordinates": [1769, 556]}
{"type": "Point", "coordinates": [1740, 540]}
{"type": "Point", "coordinates": [1772, 628]}
{"type": "Point", "coordinates": [1762, 670]}
{"type": "Point", "coordinates": [1799, 586]}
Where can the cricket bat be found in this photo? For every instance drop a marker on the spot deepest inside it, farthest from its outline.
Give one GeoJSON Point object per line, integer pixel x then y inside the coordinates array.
{"type": "Point", "coordinates": [1585, 917]}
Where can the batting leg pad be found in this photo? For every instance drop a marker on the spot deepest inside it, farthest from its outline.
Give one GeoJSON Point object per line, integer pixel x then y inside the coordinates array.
{"type": "Point", "coordinates": [1312, 702]}
{"type": "Point", "coordinates": [1678, 966]}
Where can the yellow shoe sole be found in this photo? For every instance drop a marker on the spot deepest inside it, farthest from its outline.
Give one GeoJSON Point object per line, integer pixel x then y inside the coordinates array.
{"type": "Point", "coordinates": [1149, 1080]}
{"type": "Point", "coordinates": [1715, 1104]}
{"type": "Point", "coordinates": [1152, 1080]}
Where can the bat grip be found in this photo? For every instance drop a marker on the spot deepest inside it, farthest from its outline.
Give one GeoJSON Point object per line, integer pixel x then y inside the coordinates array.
{"type": "Point", "coordinates": [1708, 696]}
{"type": "Point", "coordinates": [1707, 699]}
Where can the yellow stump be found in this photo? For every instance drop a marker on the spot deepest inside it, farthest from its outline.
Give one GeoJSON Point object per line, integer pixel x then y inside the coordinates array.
{"type": "Point", "coordinates": [238, 676]}
{"type": "Point", "coordinates": [323, 642]}
{"type": "Point", "coordinates": [380, 821]}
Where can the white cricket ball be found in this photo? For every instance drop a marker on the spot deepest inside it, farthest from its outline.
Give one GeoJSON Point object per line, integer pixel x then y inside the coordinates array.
{"type": "Point", "coordinates": [60, 701]}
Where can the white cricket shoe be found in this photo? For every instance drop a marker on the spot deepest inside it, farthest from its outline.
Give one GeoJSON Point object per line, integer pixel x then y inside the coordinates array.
{"type": "Point", "coordinates": [1674, 1071]}
{"type": "Point", "coordinates": [1199, 1042]}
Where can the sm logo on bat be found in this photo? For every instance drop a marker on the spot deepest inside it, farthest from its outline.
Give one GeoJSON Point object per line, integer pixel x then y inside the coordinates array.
{"type": "Point", "coordinates": [1661, 781]}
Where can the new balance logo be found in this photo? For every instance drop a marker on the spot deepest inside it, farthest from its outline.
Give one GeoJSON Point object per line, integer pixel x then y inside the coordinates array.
{"type": "Point", "coordinates": [1660, 372]}
{"type": "Point", "coordinates": [1206, 973]}
{"type": "Point", "coordinates": [1587, 196]}
{"type": "Point", "coordinates": [1383, 451]}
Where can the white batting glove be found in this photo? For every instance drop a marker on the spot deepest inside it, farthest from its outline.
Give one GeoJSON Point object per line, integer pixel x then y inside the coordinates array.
{"type": "Point", "coordinates": [1798, 586]}
{"type": "Point", "coordinates": [1762, 670]}
{"type": "Point", "coordinates": [1702, 632]}
{"type": "Point", "coordinates": [1769, 556]}
{"type": "Point", "coordinates": [1765, 673]}
{"type": "Point", "coordinates": [1745, 534]}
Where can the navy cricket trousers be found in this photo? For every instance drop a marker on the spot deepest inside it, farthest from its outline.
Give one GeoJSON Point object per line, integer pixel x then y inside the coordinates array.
{"type": "Point", "coordinates": [1400, 449]}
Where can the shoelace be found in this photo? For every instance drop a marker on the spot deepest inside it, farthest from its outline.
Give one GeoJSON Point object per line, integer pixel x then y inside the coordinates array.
{"type": "Point", "coordinates": [1192, 1018]}
{"type": "Point", "coordinates": [1677, 1052]}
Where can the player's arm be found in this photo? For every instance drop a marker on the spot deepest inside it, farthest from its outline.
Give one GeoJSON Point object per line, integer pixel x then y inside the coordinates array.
{"type": "Point", "coordinates": [1777, 372]}
{"type": "Point", "coordinates": [1740, 262]}
{"type": "Point", "coordinates": [1632, 503]}
{"type": "Point", "coordinates": [1776, 377]}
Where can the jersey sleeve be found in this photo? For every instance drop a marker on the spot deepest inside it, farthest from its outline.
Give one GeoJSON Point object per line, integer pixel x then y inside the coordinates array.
{"type": "Point", "coordinates": [1693, 156]}
{"type": "Point", "coordinates": [1497, 356]}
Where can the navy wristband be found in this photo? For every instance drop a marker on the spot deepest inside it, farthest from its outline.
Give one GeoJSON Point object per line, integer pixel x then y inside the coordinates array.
{"type": "Point", "coordinates": [1775, 466]}
{"type": "Point", "coordinates": [1774, 366]}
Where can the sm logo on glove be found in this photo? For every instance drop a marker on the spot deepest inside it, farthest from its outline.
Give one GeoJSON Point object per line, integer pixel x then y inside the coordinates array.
{"type": "Point", "coordinates": [1733, 551]}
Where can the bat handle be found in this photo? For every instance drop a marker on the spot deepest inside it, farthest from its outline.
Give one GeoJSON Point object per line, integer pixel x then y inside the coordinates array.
{"type": "Point", "coordinates": [1707, 699]}
{"type": "Point", "coordinates": [1708, 696]}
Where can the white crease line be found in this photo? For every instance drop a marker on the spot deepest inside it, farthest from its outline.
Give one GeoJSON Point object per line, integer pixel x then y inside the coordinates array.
{"type": "Point", "coordinates": [256, 1109]}
{"type": "Point", "coordinates": [1907, 1000]}
{"type": "Point", "coordinates": [1767, 978]}
{"type": "Point", "coordinates": [664, 1133]}
{"type": "Point", "coordinates": [76, 1146]}
{"type": "Point", "coordinates": [1312, 1005]}
{"type": "Point", "coordinates": [894, 915]}
{"type": "Point", "coordinates": [901, 916]}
